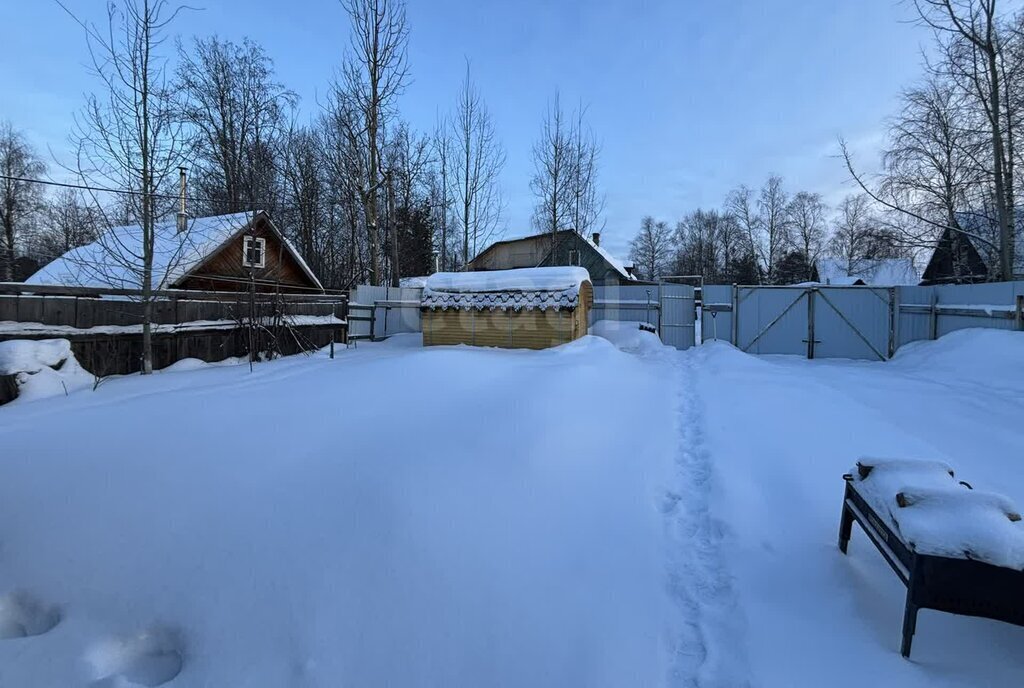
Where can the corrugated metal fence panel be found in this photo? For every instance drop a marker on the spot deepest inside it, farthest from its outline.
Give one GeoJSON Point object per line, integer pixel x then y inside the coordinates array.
{"type": "Point", "coordinates": [716, 324]}
{"type": "Point", "coordinates": [677, 315]}
{"type": "Point", "coordinates": [625, 302]}
{"type": "Point", "coordinates": [772, 320]}
{"type": "Point", "coordinates": [851, 323]}
{"type": "Point", "coordinates": [402, 316]}
{"type": "Point", "coordinates": [1001, 294]}
{"type": "Point", "coordinates": [998, 297]}
{"type": "Point", "coordinates": [913, 326]}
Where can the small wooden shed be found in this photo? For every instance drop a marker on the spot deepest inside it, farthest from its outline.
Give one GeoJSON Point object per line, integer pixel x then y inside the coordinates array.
{"type": "Point", "coordinates": [528, 308]}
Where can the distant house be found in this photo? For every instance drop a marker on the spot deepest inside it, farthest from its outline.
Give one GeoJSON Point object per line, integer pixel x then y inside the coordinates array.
{"type": "Point", "coordinates": [565, 248]}
{"type": "Point", "coordinates": [883, 272]}
{"type": "Point", "coordinates": [529, 308]}
{"type": "Point", "coordinates": [955, 260]}
{"type": "Point", "coordinates": [219, 253]}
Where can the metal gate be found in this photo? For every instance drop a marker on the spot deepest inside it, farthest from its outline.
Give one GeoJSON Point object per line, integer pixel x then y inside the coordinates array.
{"type": "Point", "coordinates": [818, 322]}
{"type": "Point", "coordinates": [677, 306]}
{"type": "Point", "coordinates": [668, 307]}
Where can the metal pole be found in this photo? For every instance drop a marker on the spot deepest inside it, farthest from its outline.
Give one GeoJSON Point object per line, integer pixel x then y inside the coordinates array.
{"type": "Point", "coordinates": [893, 319]}
{"type": "Point", "coordinates": [735, 316]}
{"type": "Point", "coordinates": [933, 320]}
{"type": "Point", "coordinates": [1020, 312]}
{"type": "Point", "coordinates": [810, 322]}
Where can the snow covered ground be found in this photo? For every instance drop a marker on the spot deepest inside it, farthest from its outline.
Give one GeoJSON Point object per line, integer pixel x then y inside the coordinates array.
{"type": "Point", "coordinates": [582, 516]}
{"type": "Point", "coordinates": [397, 516]}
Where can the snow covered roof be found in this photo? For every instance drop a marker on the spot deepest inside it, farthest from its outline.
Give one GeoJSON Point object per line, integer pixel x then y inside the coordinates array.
{"type": "Point", "coordinates": [529, 288]}
{"type": "Point", "coordinates": [113, 260]}
{"type": "Point", "coordinates": [619, 265]}
{"type": "Point", "coordinates": [886, 272]}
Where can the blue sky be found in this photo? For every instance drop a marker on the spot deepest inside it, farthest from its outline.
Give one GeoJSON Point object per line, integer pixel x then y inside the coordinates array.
{"type": "Point", "coordinates": [688, 98]}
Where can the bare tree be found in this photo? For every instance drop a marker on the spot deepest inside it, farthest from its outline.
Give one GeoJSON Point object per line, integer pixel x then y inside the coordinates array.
{"type": "Point", "coordinates": [231, 99]}
{"type": "Point", "coordinates": [130, 138]}
{"type": "Point", "coordinates": [404, 163]}
{"type": "Point", "coordinates": [977, 23]}
{"type": "Point", "coordinates": [587, 203]}
{"type": "Point", "coordinates": [771, 205]}
{"type": "Point", "coordinates": [806, 217]}
{"type": "Point", "coordinates": [304, 175]}
{"type": "Point", "coordinates": [860, 237]}
{"type": "Point", "coordinates": [19, 199]}
{"type": "Point", "coordinates": [740, 205]}
{"type": "Point", "coordinates": [476, 163]}
{"type": "Point", "coordinates": [68, 221]}
{"type": "Point", "coordinates": [374, 75]}
{"type": "Point", "coordinates": [442, 190]}
{"type": "Point", "coordinates": [651, 249]}
{"type": "Point", "coordinates": [552, 183]}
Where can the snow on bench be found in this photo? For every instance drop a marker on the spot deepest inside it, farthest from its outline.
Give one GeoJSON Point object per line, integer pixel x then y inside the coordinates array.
{"type": "Point", "coordinates": [956, 549]}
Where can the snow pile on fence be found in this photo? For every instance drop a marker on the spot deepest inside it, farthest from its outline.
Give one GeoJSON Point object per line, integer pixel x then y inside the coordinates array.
{"type": "Point", "coordinates": [541, 288]}
{"type": "Point", "coordinates": [935, 514]}
{"type": "Point", "coordinates": [42, 368]}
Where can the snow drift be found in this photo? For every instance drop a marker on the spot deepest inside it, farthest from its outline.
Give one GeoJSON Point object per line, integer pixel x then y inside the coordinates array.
{"type": "Point", "coordinates": [42, 368]}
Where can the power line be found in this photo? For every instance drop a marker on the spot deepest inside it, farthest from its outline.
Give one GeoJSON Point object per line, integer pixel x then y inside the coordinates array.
{"type": "Point", "coordinates": [132, 192]}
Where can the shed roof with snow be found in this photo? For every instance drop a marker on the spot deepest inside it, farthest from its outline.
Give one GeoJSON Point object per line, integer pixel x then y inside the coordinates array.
{"type": "Point", "coordinates": [214, 253]}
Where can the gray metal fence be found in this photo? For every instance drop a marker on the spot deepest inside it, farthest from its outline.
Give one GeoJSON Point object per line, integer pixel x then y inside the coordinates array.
{"type": "Point", "coordinates": [852, 322]}
{"type": "Point", "coordinates": [668, 307]}
{"type": "Point", "coordinates": [379, 312]}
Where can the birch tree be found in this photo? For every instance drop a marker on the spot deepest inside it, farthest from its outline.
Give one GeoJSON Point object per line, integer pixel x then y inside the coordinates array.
{"type": "Point", "coordinates": [129, 137]}
{"type": "Point", "coordinates": [651, 249]}
{"type": "Point", "coordinates": [374, 74]}
{"type": "Point", "coordinates": [477, 160]}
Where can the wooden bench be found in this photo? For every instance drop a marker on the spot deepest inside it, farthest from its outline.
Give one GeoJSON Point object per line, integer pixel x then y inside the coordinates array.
{"type": "Point", "coordinates": [957, 586]}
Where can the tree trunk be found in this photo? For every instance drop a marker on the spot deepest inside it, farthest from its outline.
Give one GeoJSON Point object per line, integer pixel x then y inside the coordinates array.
{"type": "Point", "coordinates": [1006, 250]}
{"type": "Point", "coordinates": [396, 274]}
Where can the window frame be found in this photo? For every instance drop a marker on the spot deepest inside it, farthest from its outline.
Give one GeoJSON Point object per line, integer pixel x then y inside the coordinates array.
{"type": "Point", "coordinates": [247, 244]}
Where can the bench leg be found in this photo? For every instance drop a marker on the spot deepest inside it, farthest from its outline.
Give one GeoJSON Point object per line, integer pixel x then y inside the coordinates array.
{"type": "Point", "coordinates": [845, 527]}
{"type": "Point", "coordinates": [909, 626]}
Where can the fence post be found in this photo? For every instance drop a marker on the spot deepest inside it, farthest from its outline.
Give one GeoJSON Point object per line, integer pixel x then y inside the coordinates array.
{"type": "Point", "coordinates": [734, 335]}
{"type": "Point", "coordinates": [933, 319]}
{"type": "Point", "coordinates": [894, 310]}
{"type": "Point", "coordinates": [1020, 312]}
{"type": "Point", "coordinates": [810, 322]}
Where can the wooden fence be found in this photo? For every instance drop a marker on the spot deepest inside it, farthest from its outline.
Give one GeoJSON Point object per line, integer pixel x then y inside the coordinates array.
{"type": "Point", "coordinates": [105, 330]}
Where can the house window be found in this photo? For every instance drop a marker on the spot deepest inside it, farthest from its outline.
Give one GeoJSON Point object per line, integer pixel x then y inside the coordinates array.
{"type": "Point", "coordinates": [574, 257]}
{"type": "Point", "coordinates": [254, 253]}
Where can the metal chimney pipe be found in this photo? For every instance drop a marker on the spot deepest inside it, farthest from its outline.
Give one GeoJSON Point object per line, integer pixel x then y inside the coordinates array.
{"type": "Point", "coordinates": [182, 217]}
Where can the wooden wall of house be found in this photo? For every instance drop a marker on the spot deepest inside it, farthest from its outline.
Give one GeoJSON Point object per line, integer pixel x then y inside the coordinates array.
{"type": "Point", "coordinates": [227, 263]}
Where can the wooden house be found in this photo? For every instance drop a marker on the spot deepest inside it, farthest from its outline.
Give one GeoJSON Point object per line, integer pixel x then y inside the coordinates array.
{"type": "Point", "coordinates": [565, 247]}
{"type": "Point", "coordinates": [530, 308]}
{"type": "Point", "coordinates": [219, 253]}
{"type": "Point", "coordinates": [955, 260]}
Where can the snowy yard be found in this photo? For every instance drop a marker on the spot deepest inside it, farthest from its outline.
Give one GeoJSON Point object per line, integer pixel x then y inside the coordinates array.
{"type": "Point", "coordinates": [581, 516]}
